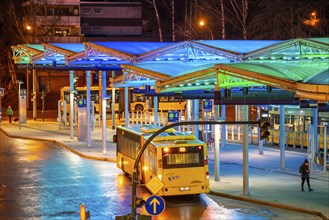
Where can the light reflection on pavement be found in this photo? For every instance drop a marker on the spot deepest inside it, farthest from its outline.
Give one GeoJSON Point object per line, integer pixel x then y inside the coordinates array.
{"type": "Point", "coordinates": [42, 181]}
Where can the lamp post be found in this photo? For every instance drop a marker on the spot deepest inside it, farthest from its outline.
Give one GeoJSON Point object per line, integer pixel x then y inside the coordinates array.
{"type": "Point", "coordinates": [19, 101]}
{"type": "Point", "coordinates": [28, 29]}
{"type": "Point", "coordinates": [202, 23]}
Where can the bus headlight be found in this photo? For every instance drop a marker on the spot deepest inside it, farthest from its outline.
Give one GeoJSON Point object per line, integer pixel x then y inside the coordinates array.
{"type": "Point", "coordinates": [144, 168]}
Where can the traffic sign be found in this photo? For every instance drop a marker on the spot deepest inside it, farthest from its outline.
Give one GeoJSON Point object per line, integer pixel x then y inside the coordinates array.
{"type": "Point", "coordinates": [155, 205]}
{"type": "Point", "coordinates": [2, 92]}
{"type": "Point", "coordinates": [207, 105]}
{"type": "Point", "coordinates": [154, 185]}
{"type": "Point", "coordinates": [172, 116]}
{"type": "Point", "coordinates": [82, 103]}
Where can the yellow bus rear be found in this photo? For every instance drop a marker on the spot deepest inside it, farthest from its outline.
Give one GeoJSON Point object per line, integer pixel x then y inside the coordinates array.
{"type": "Point", "coordinates": [181, 165]}
{"type": "Point", "coordinates": [176, 162]}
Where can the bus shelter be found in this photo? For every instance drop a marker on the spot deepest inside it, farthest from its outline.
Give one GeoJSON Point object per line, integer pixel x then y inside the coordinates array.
{"type": "Point", "coordinates": [217, 69]}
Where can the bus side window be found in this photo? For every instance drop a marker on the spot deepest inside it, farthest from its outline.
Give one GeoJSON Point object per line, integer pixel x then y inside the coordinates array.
{"type": "Point", "coordinates": [163, 99]}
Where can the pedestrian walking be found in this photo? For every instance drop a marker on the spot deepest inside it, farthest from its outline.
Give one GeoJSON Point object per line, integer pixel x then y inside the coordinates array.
{"type": "Point", "coordinates": [9, 113]}
{"type": "Point", "coordinates": [304, 170]}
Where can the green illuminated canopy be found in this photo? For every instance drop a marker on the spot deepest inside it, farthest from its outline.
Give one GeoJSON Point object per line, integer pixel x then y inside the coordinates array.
{"type": "Point", "coordinates": [299, 65]}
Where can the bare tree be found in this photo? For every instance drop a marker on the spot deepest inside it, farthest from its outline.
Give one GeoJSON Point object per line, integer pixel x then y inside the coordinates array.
{"type": "Point", "coordinates": [241, 12]}
{"type": "Point", "coordinates": [173, 19]}
{"type": "Point", "coordinates": [188, 27]}
{"type": "Point", "coordinates": [43, 16]}
{"type": "Point", "coordinates": [15, 17]}
{"type": "Point", "coordinates": [152, 2]}
{"type": "Point", "coordinates": [222, 18]}
{"type": "Point", "coordinates": [10, 19]}
{"type": "Point", "coordinates": [281, 19]}
{"type": "Point", "coordinates": [215, 9]}
{"type": "Point", "coordinates": [170, 6]}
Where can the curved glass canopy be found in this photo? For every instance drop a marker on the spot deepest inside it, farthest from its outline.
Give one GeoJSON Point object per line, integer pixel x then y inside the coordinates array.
{"type": "Point", "coordinates": [298, 65]}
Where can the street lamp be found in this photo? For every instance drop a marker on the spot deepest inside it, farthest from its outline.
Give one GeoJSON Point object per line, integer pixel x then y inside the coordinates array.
{"type": "Point", "coordinates": [28, 29]}
{"type": "Point", "coordinates": [202, 23]}
{"type": "Point", "coordinates": [19, 82]}
{"type": "Point", "coordinates": [313, 21]}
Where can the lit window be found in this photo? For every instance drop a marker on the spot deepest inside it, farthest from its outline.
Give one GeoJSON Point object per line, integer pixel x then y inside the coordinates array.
{"type": "Point", "coordinates": [97, 11]}
{"type": "Point", "coordinates": [86, 11]}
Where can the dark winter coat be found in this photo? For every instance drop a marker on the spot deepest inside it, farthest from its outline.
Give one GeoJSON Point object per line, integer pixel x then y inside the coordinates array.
{"type": "Point", "coordinates": [305, 170]}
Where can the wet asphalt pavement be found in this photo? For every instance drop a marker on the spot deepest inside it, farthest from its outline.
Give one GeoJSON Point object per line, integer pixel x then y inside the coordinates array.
{"type": "Point", "coordinates": [40, 180]}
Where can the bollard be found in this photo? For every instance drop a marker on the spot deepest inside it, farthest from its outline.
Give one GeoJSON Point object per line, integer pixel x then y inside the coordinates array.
{"type": "Point", "coordinates": [84, 215]}
{"type": "Point", "coordinates": [133, 117]}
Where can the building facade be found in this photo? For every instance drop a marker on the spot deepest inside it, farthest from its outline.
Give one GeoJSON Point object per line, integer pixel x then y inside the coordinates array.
{"type": "Point", "coordinates": [70, 21]}
{"type": "Point", "coordinates": [111, 18]}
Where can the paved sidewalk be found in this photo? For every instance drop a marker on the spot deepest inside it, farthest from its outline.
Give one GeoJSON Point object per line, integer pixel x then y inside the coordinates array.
{"type": "Point", "coordinates": [268, 185]}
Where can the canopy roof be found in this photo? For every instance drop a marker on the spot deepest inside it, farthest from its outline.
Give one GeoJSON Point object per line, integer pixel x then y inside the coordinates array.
{"type": "Point", "coordinates": [108, 53]}
{"type": "Point", "coordinates": [295, 65]}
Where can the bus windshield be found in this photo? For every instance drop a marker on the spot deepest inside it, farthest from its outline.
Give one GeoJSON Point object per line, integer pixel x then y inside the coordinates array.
{"type": "Point", "coordinates": [183, 157]}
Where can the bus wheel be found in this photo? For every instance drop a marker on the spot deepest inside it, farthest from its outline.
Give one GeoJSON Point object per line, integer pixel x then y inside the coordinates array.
{"type": "Point", "coordinates": [139, 108]}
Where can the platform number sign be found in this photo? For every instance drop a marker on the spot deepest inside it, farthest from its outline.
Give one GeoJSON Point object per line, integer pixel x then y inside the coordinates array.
{"type": "Point", "coordinates": [155, 205]}
{"type": "Point", "coordinates": [172, 116]}
{"type": "Point", "coordinates": [207, 105]}
{"type": "Point", "coordinates": [82, 103]}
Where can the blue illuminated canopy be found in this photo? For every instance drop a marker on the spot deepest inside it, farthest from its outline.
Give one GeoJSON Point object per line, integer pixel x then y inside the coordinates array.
{"type": "Point", "coordinates": [190, 65]}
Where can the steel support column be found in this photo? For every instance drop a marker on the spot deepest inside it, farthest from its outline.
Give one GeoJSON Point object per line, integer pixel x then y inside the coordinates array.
{"type": "Point", "coordinates": [315, 114]}
{"type": "Point", "coordinates": [113, 103]}
{"type": "Point", "coordinates": [223, 108]}
{"type": "Point", "coordinates": [88, 107]}
{"type": "Point", "coordinates": [126, 105]}
{"type": "Point", "coordinates": [34, 99]}
{"type": "Point", "coordinates": [216, 142]}
{"type": "Point", "coordinates": [245, 152]}
{"type": "Point", "coordinates": [155, 107]}
{"type": "Point", "coordinates": [195, 110]}
{"type": "Point", "coordinates": [325, 147]}
{"type": "Point", "coordinates": [260, 142]}
{"type": "Point", "coordinates": [72, 74]}
{"type": "Point", "coordinates": [28, 89]}
{"type": "Point", "coordinates": [282, 138]}
{"type": "Point", "coordinates": [104, 97]}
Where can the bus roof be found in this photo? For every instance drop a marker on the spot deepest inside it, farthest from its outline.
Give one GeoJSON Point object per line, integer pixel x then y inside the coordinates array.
{"type": "Point", "coordinates": [144, 129]}
{"type": "Point", "coordinates": [172, 136]}
{"type": "Point", "coordinates": [169, 135]}
{"type": "Point", "coordinates": [178, 143]}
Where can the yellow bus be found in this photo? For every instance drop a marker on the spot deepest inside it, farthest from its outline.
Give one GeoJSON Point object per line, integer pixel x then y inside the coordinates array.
{"type": "Point", "coordinates": [176, 159]}
{"type": "Point", "coordinates": [137, 101]}
{"type": "Point", "coordinates": [296, 125]}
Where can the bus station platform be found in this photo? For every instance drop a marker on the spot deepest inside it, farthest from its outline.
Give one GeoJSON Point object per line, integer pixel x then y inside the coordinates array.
{"type": "Point", "coordinates": [268, 184]}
